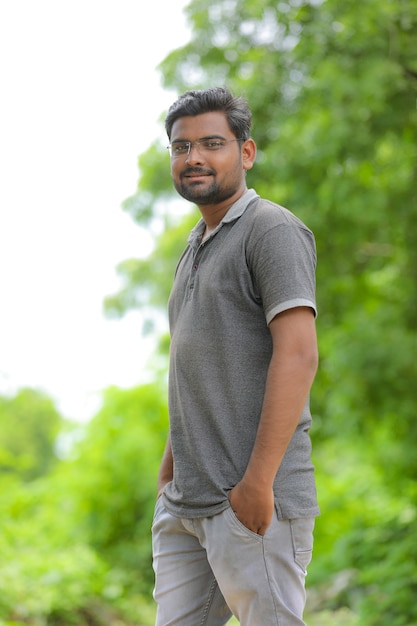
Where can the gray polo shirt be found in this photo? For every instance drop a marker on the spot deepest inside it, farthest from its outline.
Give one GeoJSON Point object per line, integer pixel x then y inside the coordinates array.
{"type": "Point", "coordinates": [258, 262]}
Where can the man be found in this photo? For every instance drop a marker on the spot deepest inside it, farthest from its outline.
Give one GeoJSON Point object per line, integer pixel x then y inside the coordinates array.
{"type": "Point", "coordinates": [232, 531]}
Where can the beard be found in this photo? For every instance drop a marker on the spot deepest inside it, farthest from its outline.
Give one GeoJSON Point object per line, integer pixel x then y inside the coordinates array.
{"type": "Point", "coordinates": [202, 194]}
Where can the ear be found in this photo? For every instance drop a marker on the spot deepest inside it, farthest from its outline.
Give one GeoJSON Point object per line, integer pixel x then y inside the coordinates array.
{"type": "Point", "coordinates": [248, 154]}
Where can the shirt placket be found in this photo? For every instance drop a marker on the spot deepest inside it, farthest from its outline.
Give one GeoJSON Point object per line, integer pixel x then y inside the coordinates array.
{"type": "Point", "coordinates": [194, 268]}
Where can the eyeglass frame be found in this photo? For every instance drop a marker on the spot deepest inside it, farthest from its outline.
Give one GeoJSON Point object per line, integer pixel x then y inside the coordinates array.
{"type": "Point", "coordinates": [197, 143]}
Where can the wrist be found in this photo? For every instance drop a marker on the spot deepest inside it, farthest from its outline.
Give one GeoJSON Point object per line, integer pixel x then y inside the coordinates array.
{"type": "Point", "coordinates": [257, 482]}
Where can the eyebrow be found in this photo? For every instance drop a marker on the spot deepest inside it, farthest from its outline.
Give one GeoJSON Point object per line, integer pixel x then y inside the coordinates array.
{"type": "Point", "coordinates": [206, 138]}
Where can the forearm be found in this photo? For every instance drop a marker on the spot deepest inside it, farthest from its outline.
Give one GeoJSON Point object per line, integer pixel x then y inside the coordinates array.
{"type": "Point", "coordinates": [290, 375]}
{"type": "Point", "coordinates": [287, 387]}
{"type": "Point", "coordinates": [166, 469]}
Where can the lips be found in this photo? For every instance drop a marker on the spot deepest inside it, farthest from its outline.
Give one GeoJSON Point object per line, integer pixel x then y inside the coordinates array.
{"type": "Point", "coordinates": [196, 178]}
{"type": "Point", "coordinates": [196, 174]}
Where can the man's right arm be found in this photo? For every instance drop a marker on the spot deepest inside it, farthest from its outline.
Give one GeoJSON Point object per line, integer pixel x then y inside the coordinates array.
{"type": "Point", "coordinates": [166, 470]}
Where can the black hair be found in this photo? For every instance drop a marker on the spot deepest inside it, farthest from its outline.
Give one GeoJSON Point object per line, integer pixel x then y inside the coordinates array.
{"type": "Point", "coordinates": [195, 102]}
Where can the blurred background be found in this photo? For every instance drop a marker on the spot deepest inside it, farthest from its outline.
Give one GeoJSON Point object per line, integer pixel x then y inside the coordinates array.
{"type": "Point", "coordinates": [90, 231]}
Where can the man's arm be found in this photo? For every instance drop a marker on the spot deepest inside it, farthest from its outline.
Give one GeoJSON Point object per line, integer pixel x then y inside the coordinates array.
{"type": "Point", "coordinates": [290, 376]}
{"type": "Point", "coordinates": [166, 469]}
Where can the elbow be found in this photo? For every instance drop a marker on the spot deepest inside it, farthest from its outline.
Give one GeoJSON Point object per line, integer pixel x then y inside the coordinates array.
{"type": "Point", "coordinates": [314, 362]}
{"type": "Point", "coordinates": [308, 361]}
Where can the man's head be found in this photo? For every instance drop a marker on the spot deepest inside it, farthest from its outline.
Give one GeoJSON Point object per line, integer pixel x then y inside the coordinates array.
{"type": "Point", "coordinates": [211, 148]}
{"type": "Point", "coordinates": [193, 103]}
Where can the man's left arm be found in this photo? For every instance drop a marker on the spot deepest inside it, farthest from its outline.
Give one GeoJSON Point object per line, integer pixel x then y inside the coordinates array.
{"type": "Point", "coordinates": [290, 376]}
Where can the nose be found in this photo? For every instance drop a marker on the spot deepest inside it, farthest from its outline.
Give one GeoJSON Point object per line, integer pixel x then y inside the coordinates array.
{"type": "Point", "coordinates": [194, 155]}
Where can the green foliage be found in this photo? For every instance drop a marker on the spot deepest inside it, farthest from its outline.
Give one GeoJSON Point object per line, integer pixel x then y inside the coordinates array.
{"type": "Point", "coordinates": [45, 568]}
{"type": "Point", "coordinates": [156, 181]}
{"type": "Point", "coordinates": [29, 426]}
{"type": "Point", "coordinates": [75, 544]}
{"type": "Point", "coordinates": [389, 572]}
{"type": "Point", "coordinates": [114, 477]}
{"type": "Point", "coordinates": [147, 282]}
{"type": "Point", "coordinates": [364, 542]}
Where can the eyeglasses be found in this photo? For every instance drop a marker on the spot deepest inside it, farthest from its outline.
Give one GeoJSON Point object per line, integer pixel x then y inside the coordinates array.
{"type": "Point", "coordinates": [181, 148]}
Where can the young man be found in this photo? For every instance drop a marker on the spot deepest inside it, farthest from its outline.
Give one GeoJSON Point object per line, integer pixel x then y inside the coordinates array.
{"type": "Point", "coordinates": [233, 523]}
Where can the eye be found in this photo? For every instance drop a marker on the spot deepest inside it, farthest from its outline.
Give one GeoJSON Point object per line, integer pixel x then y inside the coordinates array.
{"type": "Point", "coordinates": [180, 147]}
{"type": "Point", "coordinates": [212, 144]}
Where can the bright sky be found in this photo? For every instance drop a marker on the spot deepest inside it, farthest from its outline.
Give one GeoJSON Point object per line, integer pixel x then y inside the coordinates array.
{"type": "Point", "coordinates": [80, 100]}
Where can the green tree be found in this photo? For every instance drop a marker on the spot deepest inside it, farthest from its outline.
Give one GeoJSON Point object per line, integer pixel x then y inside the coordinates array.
{"type": "Point", "coordinates": [113, 477]}
{"type": "Point", "coordinates": [29, 425]}
{"type": "Point", "coordinates": [48, 572]}
{"type": "Point", "coordinates": [75, 543]}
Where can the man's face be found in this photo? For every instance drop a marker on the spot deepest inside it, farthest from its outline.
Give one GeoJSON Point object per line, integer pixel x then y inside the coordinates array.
{"type": "Point", "coordinates": [205, 175]}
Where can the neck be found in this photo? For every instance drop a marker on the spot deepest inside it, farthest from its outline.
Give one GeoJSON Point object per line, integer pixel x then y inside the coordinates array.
{"type": "Point", "coordinates": [213, 214]}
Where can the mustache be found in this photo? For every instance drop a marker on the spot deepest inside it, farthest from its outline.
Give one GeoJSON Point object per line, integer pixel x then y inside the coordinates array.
{"type": "Point", "coordinates": [192, 171]}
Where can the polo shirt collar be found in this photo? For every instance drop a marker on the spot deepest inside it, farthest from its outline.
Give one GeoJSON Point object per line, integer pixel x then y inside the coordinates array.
{"type": "Point", "coordinates": [236, 210]}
